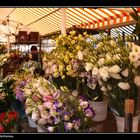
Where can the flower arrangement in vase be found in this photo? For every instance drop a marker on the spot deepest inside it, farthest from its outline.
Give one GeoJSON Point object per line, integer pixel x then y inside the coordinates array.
{"type": "Point", "coordinates": [72, 64]}
{"type": "Point", "coordinates": [120, 72]}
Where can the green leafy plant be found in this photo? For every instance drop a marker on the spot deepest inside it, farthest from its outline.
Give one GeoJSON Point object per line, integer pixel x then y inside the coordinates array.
{"type": "Point", "coordinates": [8, 92]}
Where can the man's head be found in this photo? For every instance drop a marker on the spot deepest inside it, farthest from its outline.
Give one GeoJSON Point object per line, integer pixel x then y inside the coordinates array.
{"type": "Point", "coordinates": [34, 53]}
{"type": "Point", "coordinates": [33, 49]}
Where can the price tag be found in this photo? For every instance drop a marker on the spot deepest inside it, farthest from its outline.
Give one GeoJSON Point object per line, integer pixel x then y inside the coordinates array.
{"type": "Point", "coordinates": [129, 106]}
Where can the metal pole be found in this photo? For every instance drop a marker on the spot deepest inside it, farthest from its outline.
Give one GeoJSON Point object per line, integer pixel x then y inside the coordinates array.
{"type": "Point", "coordinates": [123, 35]}
{"type": "Point", "coordinates": [8, 43]}
{"type": "Point", "coordinates": [39, 41]}
{"type": "Point", "coordinates": [63, 21]}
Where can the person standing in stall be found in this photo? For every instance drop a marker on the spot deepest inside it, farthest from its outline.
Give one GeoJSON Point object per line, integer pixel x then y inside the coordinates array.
{"type": "Point", "coordinates": [34, 54]}
{"type": "Point", "coordinates": [35, 57]}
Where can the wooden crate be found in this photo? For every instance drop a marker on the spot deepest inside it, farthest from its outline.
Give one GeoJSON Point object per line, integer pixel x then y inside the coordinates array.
{"type": "Point", "coordinates": [34, 37]}
{"type": "Point", "coordinates": [22, 37]}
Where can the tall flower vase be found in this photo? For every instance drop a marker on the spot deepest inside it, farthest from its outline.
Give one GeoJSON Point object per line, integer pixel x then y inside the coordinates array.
{"type": "Point", "coordinates": [120, 123]}
{"type": "Point", "coordinates": [100, 110]}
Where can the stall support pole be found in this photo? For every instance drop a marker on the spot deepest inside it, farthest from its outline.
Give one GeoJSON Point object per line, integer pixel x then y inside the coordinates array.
{"type": "Point", "coordinates": [39, 42]}
{"type": "Point", "coordinates": [8, 43]}
{"type": "Point", "coordinates": [63, 21]}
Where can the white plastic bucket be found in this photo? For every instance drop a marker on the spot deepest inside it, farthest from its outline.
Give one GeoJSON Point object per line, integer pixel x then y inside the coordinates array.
{"type": "Point", "coordinates": [120, 123]}
{"type": "Point", "coordinates": [100, 110]}
{"type": "Point", "coordinates": [41, 129]}
{"type": "Point", "coordinates": [31, 122]}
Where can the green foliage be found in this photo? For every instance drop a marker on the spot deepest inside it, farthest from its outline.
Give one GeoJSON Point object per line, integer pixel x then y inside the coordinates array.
{"type": "Point", "coordinates": [8, 90]}
{"type": "Point", "coordinates": [91, 94]}
{"type": "Point", "coordinates": [117, 99]}
{"type": "Point", "coordinates": [68, 81]}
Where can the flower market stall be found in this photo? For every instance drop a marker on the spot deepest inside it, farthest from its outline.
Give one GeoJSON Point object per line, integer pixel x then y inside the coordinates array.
{"type": "Point", "coordinates": [69, 70]}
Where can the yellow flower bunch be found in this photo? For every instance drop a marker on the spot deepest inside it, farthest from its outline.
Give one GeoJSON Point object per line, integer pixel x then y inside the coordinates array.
{"type": "Point", "coordinates": [66, 59]}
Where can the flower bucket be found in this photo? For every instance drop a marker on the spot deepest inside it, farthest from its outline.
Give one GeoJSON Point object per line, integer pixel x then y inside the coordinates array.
{"type": "Point", "coordinates": [120, 123]}
{"type": "Point", "coordinates": [100, 110]}
{"type": "Point", "coordinates": [31, 122]}
{"type": "Point", "coordinates": [41, 128]}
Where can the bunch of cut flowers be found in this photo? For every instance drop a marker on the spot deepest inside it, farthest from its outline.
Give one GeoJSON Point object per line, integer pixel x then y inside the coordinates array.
{"type": "Point", "coordinates": [21, 80]}
{"type": "Point", "coordinates": [6, 92]}
{"type": "Point", "coordinates": [119, 68]}
{"type": "Point", "coordinates": [57, 110]}
{"type": "Point", "coordinates": [8, 121]}
{"type": "Point", "coordinates": [4, 58]}
{"type": "Point", "coordinates": [65, 62]}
